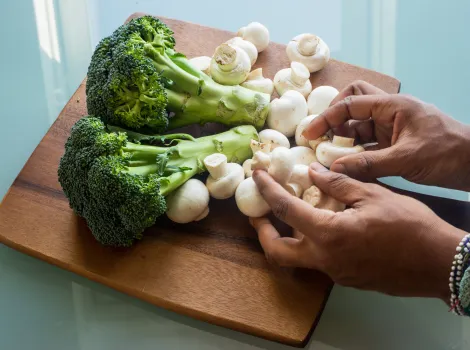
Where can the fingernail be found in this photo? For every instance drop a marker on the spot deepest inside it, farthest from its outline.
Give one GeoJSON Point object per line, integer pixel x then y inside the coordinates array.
{"type": "Point", "coordinates": [318, 167]}
{"type": "Point", "coordinates": [339, 168]}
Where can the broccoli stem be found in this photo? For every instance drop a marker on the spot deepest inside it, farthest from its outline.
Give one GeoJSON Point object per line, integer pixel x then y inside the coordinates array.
{"type": "Point", "coordinates": [206, 101]}
{"type": "Point", "coordinates": [172, 71]}
{"type": "Point", "coordinates": [232, 105]}
{"type": "Point", "coordinates": [188, 155]}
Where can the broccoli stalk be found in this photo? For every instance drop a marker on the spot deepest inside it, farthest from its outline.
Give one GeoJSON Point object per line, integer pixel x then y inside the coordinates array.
{"type": "Point", "coordinates": [119, 186]}
{"type": "Point", "coordinates": [136, 80]}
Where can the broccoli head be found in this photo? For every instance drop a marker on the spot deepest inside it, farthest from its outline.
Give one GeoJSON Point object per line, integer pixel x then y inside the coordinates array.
{"type": "Point", "coordinates": [119, 186]}
{"type": "Point", "coordinates": [138, 81]}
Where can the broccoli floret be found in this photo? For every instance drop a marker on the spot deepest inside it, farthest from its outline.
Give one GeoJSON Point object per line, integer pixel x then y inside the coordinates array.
{"type": "Point", "coordinates": [137, 80]}
{"type": "Point", "coordinates": [119, 186]}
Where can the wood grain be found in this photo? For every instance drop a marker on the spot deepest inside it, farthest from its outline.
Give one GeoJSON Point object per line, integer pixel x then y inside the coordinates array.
{"type": "Point", "coordinates": [213, 270]}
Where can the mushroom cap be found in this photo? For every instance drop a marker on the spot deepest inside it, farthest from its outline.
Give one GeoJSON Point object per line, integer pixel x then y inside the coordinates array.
{"type": "Point", "coordinates": [281, 165]}
{"type": "Point", "coordinates": [249, 199]}
{"type": "Point", "coordinates": [320, 99]}
{"type": "Point", "coordinates": [225, 186]}
{"type": "Point", "coordinates": [301, 176]}
{"type": "Point", "coordinates": [315, 55]}
{"type": "Point", "coordinates": [230, 65]}
{"type": "Point", "coordinates": [327, 152]}
{"type": "Point", "coordinates": [202, 63]}
{"type": "Point", "coordinates": [188, 202]}
{"type": "Point", "coordinates": [286, 112]}
{"type": "Point", "coordinates": [274, 137]}
{"type": "Point", "coordinates": [255, 33]}
{"type": "Point", "coordinates": [247, 167]}
{"type": "Point", "coordinates": [294, 78]}
{"type": "Point", "coordinates": [299, 139]}
{"type": "Point", "coordinates": [246, 46]}
{"type": "Point", "coordinates": [303, 155]}
{"type": "Point", "coordinates": [256, 82]}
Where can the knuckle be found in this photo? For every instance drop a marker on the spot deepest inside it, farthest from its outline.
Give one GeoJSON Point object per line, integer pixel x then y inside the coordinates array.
{"type": "Point", "coordinates": [337, 181]}
{"type": "Point", "coordinates": [281, 208]}
{"type": "Point", "coordinates": [357, 86]}
{"type": "Point", "coordinates": [364, 163]}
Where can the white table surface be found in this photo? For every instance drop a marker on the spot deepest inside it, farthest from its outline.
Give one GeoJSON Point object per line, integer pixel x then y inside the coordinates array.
{"type": "Point", "coordinates": [46, 49]}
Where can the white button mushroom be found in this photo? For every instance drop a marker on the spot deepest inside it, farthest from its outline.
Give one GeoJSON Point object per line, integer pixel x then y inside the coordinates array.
{"type": "Point", "coordinates": [249, 199]}
{"type": "Point", "coordinates": [320, 99]}
{"type": "Point", "coordinates": [282, 164]}
{"type": "Point", "coordinates": [246, 46]}
{"type": "Point", "coordinates": [310, 50]}
{"type": "Point", "coordinates": [255, 33]}
{"type": "Point", "coordinates": [188, 203]}
{"type": "Point", "coordinates": [297, 77]}
{"type": "Point", "coordinates": [273, 137]}
{"type": "Point", "coordinates": [287, 112]}
{"type": "Point", "coordinates": [321, 200]}
{"type": "Point", "coordinates": [301, 176]}
{"type": "Point", "coordinates": [299, 139]}
{"type": "Point", "coordinates": [247, 167]}
{"type": "Point", "coordinates": [256, 82]}
{"type": "Point", "coordinates": [303, 155]}
{"type": "Point", "coordinates": [202, 63]}
{"type": "Point", "coordinates": [224, 177]}
{"type": "Point", "coordinates": [230, 65]}
{"type": "Point", "coordinates": [327, 152]}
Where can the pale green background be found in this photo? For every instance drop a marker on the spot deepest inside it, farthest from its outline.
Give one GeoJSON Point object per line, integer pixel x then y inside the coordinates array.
{"type": "Point", "coordinates": [45, 51]}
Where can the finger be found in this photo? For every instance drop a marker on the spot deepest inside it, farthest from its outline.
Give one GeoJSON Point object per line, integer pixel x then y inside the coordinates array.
{"type": "Point", "coordinates": [285, 251]}
{"type": "Point", "coordinates": [363, 131]}
{"type": "Point", "coordinates": [290, 209]}
{"type": "Point", "coordinates": [338, 186]}
{"type": "Point", "coordinates": [297, 234]}
{"type": "Point", "coordinates": [357, 88]}
{"type": "Point", "coordinates": [370, 165]}
{"type": "Point", "coordinates": [381, 108]}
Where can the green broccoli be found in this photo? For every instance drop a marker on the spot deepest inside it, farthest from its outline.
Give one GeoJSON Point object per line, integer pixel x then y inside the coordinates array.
{"type": "Point", "coordinates": [119, 186]}
{"type": "Point", "coordinates": [138, 81]}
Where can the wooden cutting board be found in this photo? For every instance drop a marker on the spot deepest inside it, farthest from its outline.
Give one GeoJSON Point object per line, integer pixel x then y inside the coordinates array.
{"type": "Point", "coordinates": [213, 270]}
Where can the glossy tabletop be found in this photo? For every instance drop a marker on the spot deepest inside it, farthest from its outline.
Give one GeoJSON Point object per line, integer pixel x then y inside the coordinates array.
{"type": "Point", "coordinates": [46, 49]}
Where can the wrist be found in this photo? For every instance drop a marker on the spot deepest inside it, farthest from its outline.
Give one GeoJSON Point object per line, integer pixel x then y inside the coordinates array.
{"type": "Point", "coordinates": [446, 242]}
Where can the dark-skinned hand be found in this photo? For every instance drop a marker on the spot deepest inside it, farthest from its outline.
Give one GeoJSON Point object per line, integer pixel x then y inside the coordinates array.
{"type": "Point", "coordinates": [414, 139]}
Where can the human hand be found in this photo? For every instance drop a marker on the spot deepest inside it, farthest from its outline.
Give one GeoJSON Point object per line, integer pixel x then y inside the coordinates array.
{"type": "Point", "coordinates": [415, 140]}
{"type": "Point", "coordinates": [384, 242]}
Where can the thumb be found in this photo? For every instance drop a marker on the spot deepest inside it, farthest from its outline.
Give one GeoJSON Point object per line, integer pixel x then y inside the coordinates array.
{"type": "Point", "coordinates": [369, 165]}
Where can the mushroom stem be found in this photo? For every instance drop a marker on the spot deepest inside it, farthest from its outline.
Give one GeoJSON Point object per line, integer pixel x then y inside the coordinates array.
{"type": "Point", "coordinates": [216, 165]}
{"type": "Point", "coordinates": [259, 146]}
{"type": "Point", "coordinates": [314, 143]}
{"type": "Point", "coordinates": [299, 73]}
{"type": "Point", "coordinates": [260, 161]}
{"type": "Point", "coordinates": [226, 57]}
{"type": "Point", "coordinates": [308, 44]}
{"type": "Point", "coordinates": [343, 141]}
